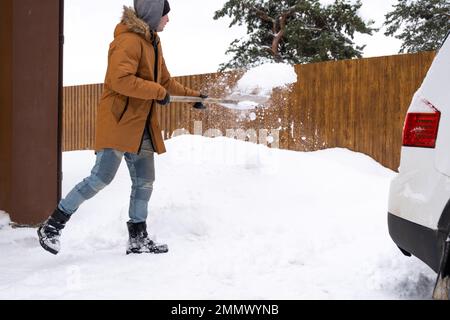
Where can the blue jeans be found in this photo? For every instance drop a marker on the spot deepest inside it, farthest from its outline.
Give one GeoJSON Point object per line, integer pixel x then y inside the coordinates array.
{"type": "Point", "coordinates": [142, 172]}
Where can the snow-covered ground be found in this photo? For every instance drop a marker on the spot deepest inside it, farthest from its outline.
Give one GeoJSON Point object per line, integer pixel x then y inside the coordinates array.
{"type": "Point", "coordinates": [242, 222]}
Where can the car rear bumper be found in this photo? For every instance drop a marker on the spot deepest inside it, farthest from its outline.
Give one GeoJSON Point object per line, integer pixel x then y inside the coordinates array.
{"type": "Point", "coordinates": [424, 243]}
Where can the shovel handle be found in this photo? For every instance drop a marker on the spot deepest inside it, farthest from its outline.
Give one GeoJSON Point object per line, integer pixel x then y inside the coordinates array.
{"type": "Point", "coordinates": [198, 99]}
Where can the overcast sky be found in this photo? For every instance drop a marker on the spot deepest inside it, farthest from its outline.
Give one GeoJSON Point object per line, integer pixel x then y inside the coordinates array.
{"type": "Point", "coordinates": [193, 42]}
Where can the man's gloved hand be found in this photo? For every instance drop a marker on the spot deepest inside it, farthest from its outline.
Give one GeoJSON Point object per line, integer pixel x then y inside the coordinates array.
{"type": "Point", "coordinates": [200, 105]}
{"type": "Point", "coordinates": [165, 101]}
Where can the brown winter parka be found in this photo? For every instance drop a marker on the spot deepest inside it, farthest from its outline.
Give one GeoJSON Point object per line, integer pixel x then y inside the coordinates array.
{"type": "Point", "coordinates": [135, 78]}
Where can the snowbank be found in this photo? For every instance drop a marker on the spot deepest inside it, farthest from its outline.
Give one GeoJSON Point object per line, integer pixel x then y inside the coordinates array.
{"type": "Point", "coordinates": [242, 222]}
{"type": "Point", "coordinates": [4, 219]}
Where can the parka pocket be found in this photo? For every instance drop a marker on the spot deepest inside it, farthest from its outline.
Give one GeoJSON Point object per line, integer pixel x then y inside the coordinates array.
{"type": "Point", "coordinates": [119, 107]}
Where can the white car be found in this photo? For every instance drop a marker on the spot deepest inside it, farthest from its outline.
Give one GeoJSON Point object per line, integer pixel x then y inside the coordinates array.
{"type": "Point", "coordinates": [419, 199]}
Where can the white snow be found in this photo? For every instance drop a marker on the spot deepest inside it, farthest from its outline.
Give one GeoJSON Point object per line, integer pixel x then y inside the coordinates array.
{"type": "Point", "coordinates": [262, 79]}
{"type": "Point", "coordinates": [243, 105]}
{"type": "Point", "coordinates": [4, 219]}
{"type": "Point", "coordinates": [242, 222]}
{"type": "Point", "coordinates": [259, 83]}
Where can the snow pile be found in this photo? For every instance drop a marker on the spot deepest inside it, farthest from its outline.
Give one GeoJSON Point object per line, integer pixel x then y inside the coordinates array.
{"type": "Point", "coordinates": [259, 82]}
{"type": "Point", "coordinates": [4, 219]}
{"type": "Point", "coordinates": [263, 79]}
{"type": "Point", "coordinates": [242, 221]}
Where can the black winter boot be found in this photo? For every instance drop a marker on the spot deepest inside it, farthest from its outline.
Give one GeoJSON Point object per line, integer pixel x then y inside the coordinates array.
{"type": "Point", "coordinates": [50, 231]}
{"type": "Point", "coordinates": [139, 242]}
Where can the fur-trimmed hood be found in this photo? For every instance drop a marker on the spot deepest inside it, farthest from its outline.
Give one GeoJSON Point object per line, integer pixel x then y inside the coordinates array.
{"type": "Point", "coordinates": [134, 24]}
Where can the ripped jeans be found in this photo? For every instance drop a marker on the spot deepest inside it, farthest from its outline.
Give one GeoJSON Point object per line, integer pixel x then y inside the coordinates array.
{"type": "Point", "coordinates": [142, 172]}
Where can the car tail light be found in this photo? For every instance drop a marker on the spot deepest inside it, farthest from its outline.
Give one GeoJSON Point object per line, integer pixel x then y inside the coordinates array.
{"type": "Point", "coordinates": [421, 129]}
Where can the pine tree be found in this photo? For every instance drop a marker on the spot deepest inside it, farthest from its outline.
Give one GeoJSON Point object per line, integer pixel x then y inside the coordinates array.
{"type": "Point", "coordinates": [293, 31]}
{"type": "Point", "coordinates": [421, 25]}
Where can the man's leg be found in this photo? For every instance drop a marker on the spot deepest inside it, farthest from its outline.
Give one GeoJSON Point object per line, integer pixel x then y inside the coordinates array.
{"type": "Point", "coordinates": [142, 173]}
{"type": "Point", "coordinates": [104, 171]}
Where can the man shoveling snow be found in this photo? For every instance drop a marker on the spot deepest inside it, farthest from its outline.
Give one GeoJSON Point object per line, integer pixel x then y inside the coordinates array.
{"type": "Point", "coordinates": [127, 124]}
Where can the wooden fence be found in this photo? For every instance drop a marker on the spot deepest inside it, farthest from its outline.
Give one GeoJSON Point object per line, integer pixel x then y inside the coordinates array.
{"type": "Point", "coordinates": [355, 104]}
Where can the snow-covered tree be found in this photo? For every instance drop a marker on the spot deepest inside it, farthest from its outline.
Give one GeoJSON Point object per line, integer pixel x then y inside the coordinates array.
{"type": "Point", "coordinates": [293, 31]}
{"type": "Point", "coordinates": [420, 24]}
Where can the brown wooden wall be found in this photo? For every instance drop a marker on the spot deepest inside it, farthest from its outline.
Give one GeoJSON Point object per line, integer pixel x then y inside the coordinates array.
{"type": "Point", "coordinates": [6, 98]}
{"type": "Point", "coordinates": [355, 104]}
{"type": "Point", "coordinates": [79, 112]}
{"type": "Point", "coordinates": [30, 92]}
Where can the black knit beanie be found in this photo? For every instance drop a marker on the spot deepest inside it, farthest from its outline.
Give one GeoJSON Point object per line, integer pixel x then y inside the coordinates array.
{"type": "Point", "coordinates": [166, 8]}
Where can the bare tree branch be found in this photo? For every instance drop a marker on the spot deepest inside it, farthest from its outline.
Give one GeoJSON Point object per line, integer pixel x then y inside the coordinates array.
{"type": "Point", "coordinates": [278, 29]}
{"type": "Point", "coordinates": [262, 15]}
{"type": "Point", "coordinates": [290, 11]}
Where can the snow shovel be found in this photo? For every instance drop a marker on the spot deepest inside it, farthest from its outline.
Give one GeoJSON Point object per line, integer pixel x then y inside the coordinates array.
{"type": "Point", "coordinates": [248, 100]}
